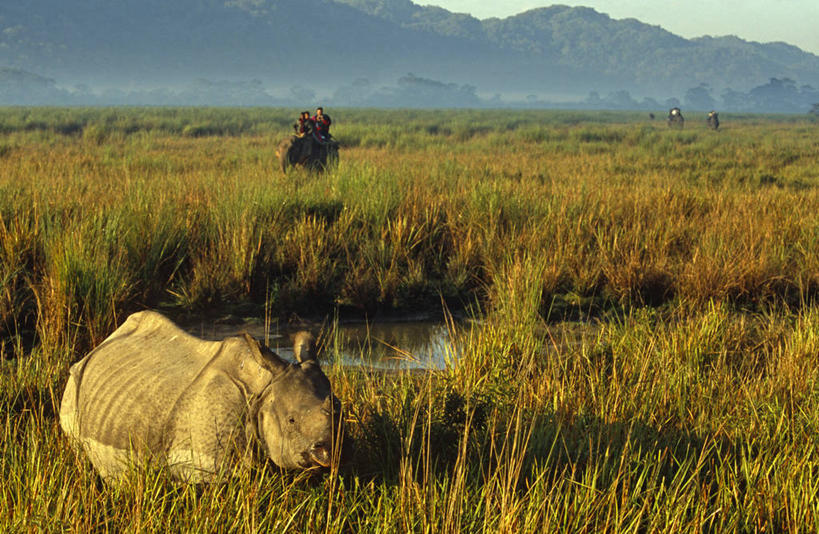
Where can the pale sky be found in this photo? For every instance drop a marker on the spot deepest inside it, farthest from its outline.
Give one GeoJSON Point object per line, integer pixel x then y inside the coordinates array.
{"type": "Point", "coordinates": [793, 21]}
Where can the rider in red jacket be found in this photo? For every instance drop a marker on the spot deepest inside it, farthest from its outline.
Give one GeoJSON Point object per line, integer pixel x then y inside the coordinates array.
{"type": "Point", "coordinates": [322, 123]}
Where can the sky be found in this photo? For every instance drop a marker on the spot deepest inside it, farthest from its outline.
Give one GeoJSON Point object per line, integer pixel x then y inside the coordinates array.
{"type": "Point", "coordinates": [791, 21]}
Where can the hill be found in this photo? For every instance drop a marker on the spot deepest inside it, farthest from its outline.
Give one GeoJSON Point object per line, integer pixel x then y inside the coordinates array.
{"type": "Point", "coordinates": [146, 42]}
{"type": "Point", "coordinates": [619, 53]}
{"type": "Point", "coordinates": [323, 44]}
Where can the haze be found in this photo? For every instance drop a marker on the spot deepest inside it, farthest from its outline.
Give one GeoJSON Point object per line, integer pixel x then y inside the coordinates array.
{"type": "Point", "coordinates": [791, 21]}
{"type": "Point", "coordinates": [393, 53]}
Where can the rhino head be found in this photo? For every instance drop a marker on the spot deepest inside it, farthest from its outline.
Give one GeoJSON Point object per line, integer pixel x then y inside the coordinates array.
{"type": "Point", "coordinates": [298, 419]}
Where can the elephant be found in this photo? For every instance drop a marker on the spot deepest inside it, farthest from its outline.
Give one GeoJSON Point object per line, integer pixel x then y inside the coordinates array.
{"type": "Point", "coordinates": [308, 152]}
{"type": "Point", "coordinates": [675, 118]}
{"type": "Point", "coordinates": [713, 120]}
{"type": "Point", "coordinates": [153, 394]}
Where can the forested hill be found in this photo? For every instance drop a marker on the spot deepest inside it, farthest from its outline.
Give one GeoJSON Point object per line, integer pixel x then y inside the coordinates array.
{"type": "Point", "coordinates": [332, 42]}
{"type": "Point", "coordinates": [626, 53]}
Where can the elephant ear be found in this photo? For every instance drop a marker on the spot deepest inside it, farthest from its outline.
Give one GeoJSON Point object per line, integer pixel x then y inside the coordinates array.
{"type": "Point", "coordinates": [304, 347]}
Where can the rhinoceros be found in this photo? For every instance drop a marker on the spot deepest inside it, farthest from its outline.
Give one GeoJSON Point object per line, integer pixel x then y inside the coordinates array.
{"type": "Point", "coordinates": [151, 393]}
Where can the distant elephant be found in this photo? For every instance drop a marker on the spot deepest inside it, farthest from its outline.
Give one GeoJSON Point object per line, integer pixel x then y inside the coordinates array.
{"type": "Point", "coordinates": [308, 152]}
{"type": "Point", "coordinates": [675, 118]}
{"type": "Point", "coordinates": [713, 120]}
{"type": "Point", "coordinates": [153, 394]}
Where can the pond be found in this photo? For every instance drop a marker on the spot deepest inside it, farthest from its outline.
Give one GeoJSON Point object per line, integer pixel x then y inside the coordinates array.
{"type": "Point", "coordinates": [389, 345]}
{"type": "Point", "coordinates": [385, 345]}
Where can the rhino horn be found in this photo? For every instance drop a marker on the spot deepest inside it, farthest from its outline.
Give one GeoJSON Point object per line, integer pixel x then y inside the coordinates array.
{"type": "Point", "coordinates": [304, 347]}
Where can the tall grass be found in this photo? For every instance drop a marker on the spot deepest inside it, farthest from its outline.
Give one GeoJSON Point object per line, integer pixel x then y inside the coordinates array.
{"type": "Point", "coordinates": [706, 424]}
{"type": "Point", "coordinates": [688, 403]}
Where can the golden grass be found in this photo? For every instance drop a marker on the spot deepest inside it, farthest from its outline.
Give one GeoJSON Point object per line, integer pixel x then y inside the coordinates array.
{"type": "Point", "coordinates": [690, 406]}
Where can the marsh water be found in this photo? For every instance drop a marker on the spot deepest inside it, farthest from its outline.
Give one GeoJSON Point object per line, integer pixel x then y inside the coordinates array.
{"type": "Point", "coordinates": [394, 344]}
{"type": "Point", "coordinates": [409, 344]}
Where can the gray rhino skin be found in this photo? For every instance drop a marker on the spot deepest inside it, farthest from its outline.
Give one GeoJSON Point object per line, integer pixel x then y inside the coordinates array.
{"type": "Point", "coordinates": [306, 152]}
{"type": "Point", "coordinates": [152, 393]}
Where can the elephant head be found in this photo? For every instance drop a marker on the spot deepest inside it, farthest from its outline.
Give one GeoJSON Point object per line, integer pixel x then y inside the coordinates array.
{"type": "Point", "coordinates": [307, 152]}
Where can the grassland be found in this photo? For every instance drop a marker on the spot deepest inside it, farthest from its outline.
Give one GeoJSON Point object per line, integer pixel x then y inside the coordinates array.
{"type": "Point", "coordinates": [693, 407]}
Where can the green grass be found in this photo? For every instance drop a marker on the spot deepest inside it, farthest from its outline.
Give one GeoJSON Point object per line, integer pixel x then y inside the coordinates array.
{"type": "Point", "coordinates": [690, 405]}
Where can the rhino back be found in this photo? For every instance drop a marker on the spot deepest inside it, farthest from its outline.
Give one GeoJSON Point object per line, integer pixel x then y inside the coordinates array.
{"type": "Point", "coordinates": [126, 388]}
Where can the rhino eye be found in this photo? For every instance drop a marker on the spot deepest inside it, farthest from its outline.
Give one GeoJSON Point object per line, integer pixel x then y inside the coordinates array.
{"type": "Point", "coordinates": [292, 421]}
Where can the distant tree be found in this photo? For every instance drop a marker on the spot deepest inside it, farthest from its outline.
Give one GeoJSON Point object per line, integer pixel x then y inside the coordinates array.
{"type": "Point", "coordinates": [700, 98]}
{"type": "Point", "coordinates": [776, 95]}
{"type": "Point", "coordinates": [418, 91]}
{"type": "Point", "coordinates": [735, 100]}
{"type": "Point", "coordinates": [593, 100]}
{"type": "Point", "coordinates": [621, 100]}
{"type": "Point", "coordinates": [675, 118]}
{"type": "Point", "coordinates": [302, 95]}
{"type": "Point", "coordinates": [415, 91]}
{"type": "Point", "coordinates": [354, 94]}
{"type": "Point", "coordinates": [672, 102]}
{"type": "Point", "coordinates": [808, 94]}
{"type": "Point", "coordinates": [815, 109]}
{"type": "Point", "coordinates": [649, 103]}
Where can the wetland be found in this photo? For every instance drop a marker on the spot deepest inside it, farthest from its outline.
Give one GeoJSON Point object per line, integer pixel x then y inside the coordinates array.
{"type": "Point", "coordinates": [637, 313]}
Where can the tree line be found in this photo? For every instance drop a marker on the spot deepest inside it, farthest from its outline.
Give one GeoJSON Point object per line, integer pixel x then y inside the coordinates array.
{"type": "Point", "coordinates": [18, 87]}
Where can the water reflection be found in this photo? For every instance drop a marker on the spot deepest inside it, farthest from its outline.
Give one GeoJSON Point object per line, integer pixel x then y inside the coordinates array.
{"type": "Point", "coordinates": [391, 345]}
{"type": "Point", "coordinates": [382, 345]}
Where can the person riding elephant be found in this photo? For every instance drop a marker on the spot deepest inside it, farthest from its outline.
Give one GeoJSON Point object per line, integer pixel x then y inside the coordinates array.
{"type": "Point", "coordinates": [305, 125]}
{"type": "Point", "coordinates": [322, 122]}
{"type": "Point", "coordinates": [713, 120]}
{"type": "Point", "coordinates": [312, 146]}
{"type": "Point", "coordinates": [675, 118]}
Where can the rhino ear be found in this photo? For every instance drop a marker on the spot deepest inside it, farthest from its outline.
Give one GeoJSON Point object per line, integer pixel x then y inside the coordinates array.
{"type": "Point", "coordinates": [264, 356]}
{"type": "Point", "coordinates": [304, 347]}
